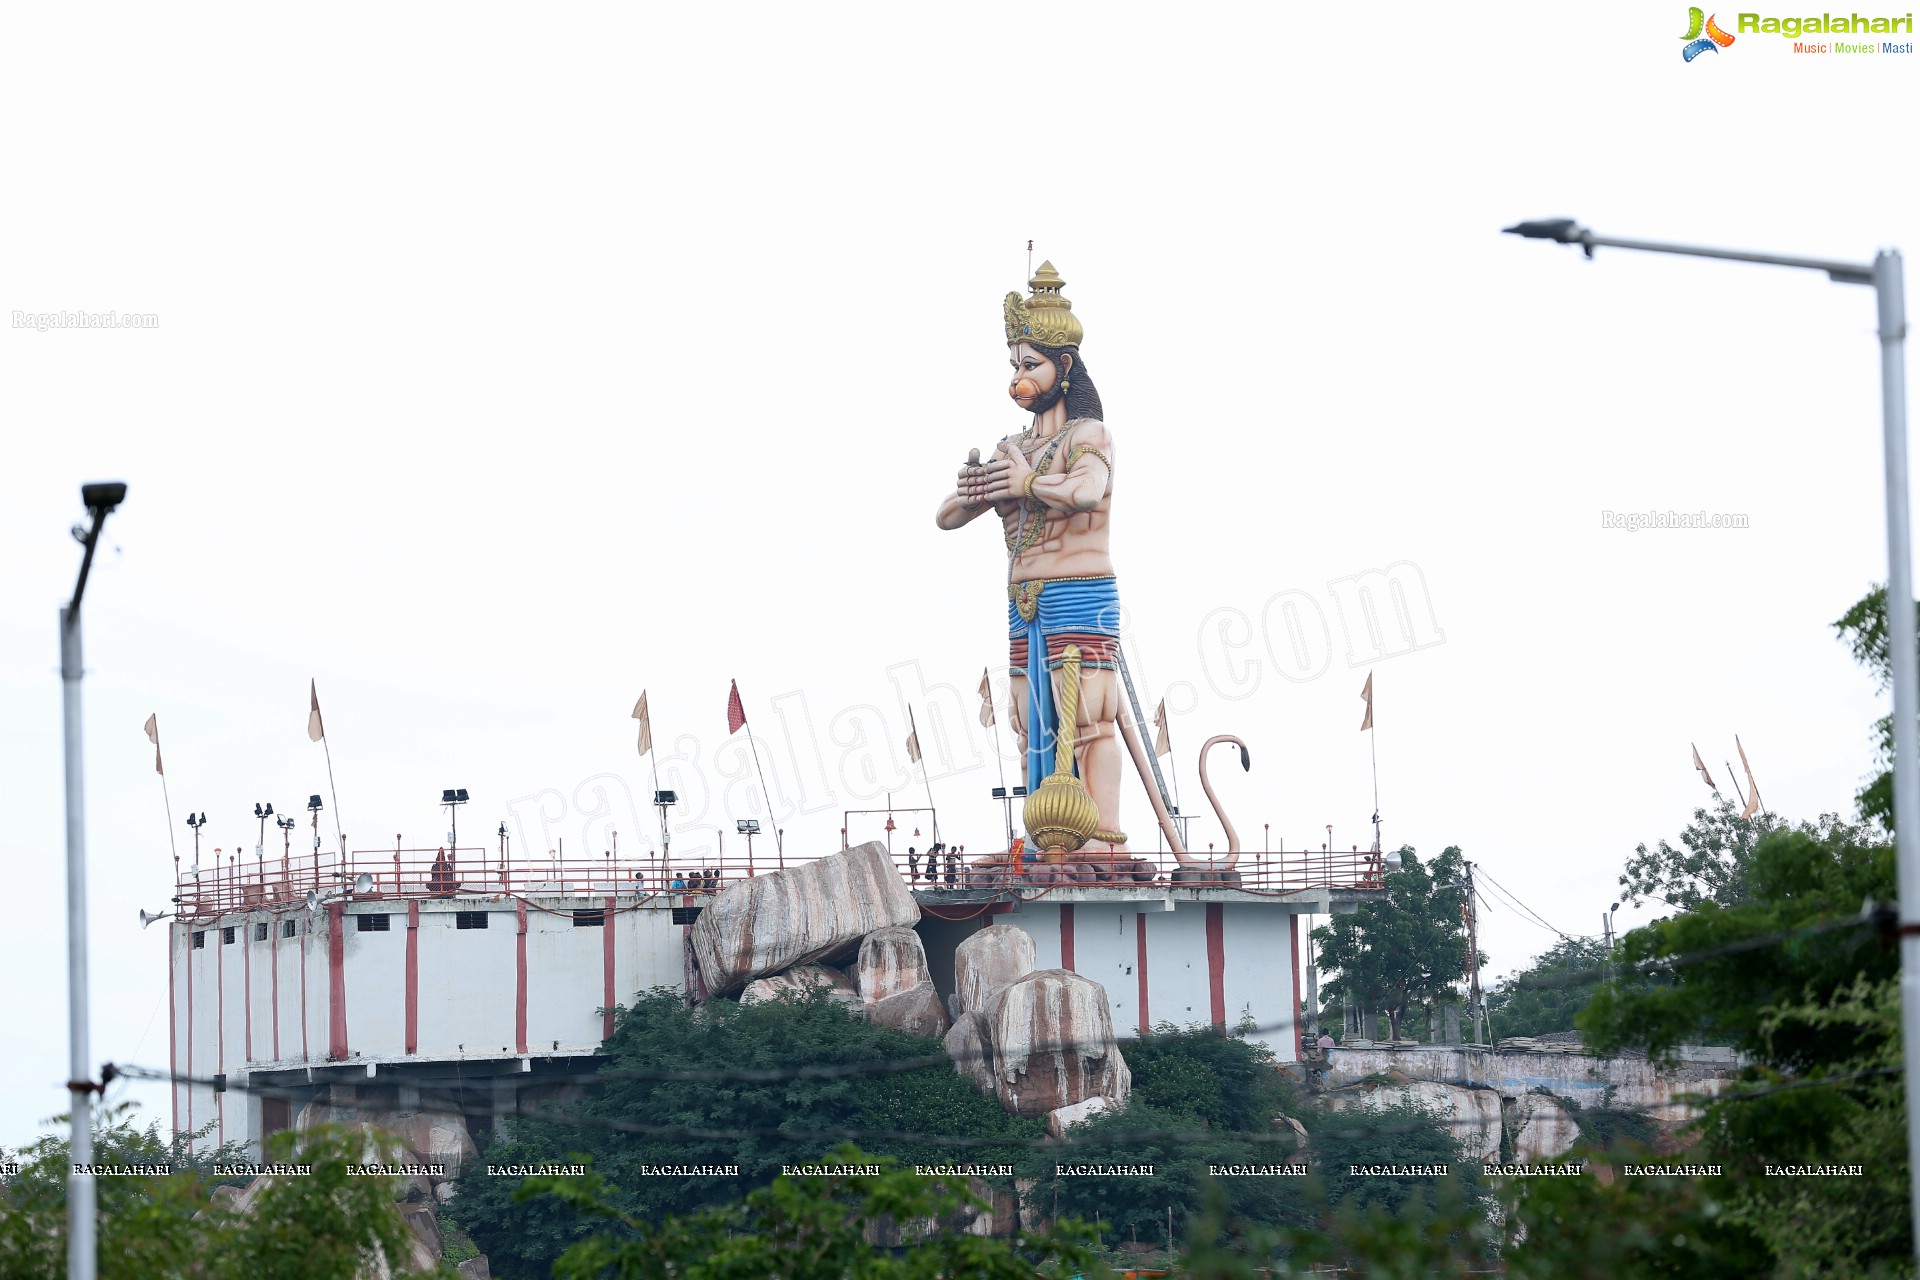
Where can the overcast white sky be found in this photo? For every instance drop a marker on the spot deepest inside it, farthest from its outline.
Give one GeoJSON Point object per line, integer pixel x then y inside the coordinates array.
{"type": "Point", "coordinates": [510, 361]}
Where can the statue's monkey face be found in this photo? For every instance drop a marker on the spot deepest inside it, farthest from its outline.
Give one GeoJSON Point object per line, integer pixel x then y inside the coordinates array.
{"type": "Point", "coordinates": [1034, 383]}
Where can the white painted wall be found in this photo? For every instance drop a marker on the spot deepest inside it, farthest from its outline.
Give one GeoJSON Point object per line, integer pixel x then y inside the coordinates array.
{"type": "Point", "coordinates": [466, 986]}
{"type": "Point", "coordinates": [376, 965]}
{"type": "Point", "coordinates": [1177, 965]}
{"type": "Point", "coordinates": [565, 979]}
{"type": "Point", "coordinates": [1259, 972]}
{"type": "Point", "coordinates": [1106, 949]}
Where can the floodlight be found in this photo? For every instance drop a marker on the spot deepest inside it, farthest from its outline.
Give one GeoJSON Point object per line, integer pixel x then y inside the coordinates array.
{"type": "Point", "coordinates": [999, 793]}
{"type": "Point", "coordinates": [313, 803]}
{"type": "Point", "coordinates": [666, 797]}
{"type": "Point", "coordinates": [103, 497]}
{"type": "Point", "coordinates": [747, 826]}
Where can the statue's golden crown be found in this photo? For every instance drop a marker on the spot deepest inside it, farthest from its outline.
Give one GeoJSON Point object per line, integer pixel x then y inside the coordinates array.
{"type": "Point", "coordinates": [1045, 317]}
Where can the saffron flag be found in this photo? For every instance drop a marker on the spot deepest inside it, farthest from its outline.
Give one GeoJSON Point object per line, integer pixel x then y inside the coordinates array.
{"type": "Point", "coordinates": [646, 726]}
{"type": "Point", "coordinates": [736, 714]}
{"type": "Point", "coordinates": [1700, 764]}
{"type": "Point", "coordinates": [1367, 693]}
{"type": "Point", "coordinates": [1162, 744]}
{"type": "Point", "coordinates": [315, 730]}
{"type": "Point", "coordinates": [986, 700]}
{"type": "Point", "coordinates": [1753, 788]}
{"type": "Point", "coordinates": [153, 736]}
{"type": "Point", "coordinates": [913, 746]}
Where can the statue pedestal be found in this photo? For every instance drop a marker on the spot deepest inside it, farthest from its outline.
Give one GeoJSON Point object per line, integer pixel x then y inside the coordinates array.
{"type": "Point", "coordinates": [1209, 876]}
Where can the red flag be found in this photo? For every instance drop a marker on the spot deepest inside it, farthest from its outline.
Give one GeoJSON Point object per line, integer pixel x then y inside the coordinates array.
{"type": "Point", "coordinates": [736, 714]}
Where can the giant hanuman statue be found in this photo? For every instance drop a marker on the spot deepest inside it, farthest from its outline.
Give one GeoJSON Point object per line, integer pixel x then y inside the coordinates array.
{"type": "Point", "coordinates": [1052, 487]}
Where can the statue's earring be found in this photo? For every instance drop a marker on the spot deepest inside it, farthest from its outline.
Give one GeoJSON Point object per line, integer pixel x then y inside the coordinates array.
{"type": "Point", "coordinates": [1066, 384]}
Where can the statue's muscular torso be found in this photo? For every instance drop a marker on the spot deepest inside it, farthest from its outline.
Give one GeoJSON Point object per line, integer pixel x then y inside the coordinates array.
{"type": "Point", "coordinates": [1079, 498]}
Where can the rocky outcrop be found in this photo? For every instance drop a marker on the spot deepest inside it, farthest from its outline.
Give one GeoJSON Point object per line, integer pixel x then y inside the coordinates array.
{"type": "Point", "coordinates": [1543, 1129]}
{"type": "Point", "coordinates": [800, 981]}
{"type": "Point", "coordinates": [816, 911]}
{"type": "Point", "coordinates": [892, 961]}
{"type": "Point", "coordinates": [1051, 1041]}
{"type": "Point", "coordinates": [967, 1045]}
{"type": "Point", "coordinates": [917, 1011]}
{"type": "Point", "coordinates": [1064, 1118]}
{"type": "Point", "coordinates": [425, 1137]}
{"type": "Point", "coordinates": [1473, 1114]}
{"type": "Point", "coordinates": [986, 961]}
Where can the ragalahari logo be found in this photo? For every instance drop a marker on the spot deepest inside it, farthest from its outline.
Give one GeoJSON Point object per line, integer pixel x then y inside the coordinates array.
{"type": "Point", "coordinates": [1698, 20]}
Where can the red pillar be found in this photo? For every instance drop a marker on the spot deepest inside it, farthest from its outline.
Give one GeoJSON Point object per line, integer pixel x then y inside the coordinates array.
{"type": "Point", "coordinates": [1217, 962]}
{"type": "Point", "coordinates": [413, 977]}
{"type": "Point", "coordinates": [336, 980]}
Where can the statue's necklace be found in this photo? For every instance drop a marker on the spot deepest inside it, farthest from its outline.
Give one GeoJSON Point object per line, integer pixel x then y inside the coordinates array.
{"type": "Point", "coordinates": [1033, 514]}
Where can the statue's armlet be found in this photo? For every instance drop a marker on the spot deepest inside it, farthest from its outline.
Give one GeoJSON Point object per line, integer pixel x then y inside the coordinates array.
{"type": "Point", "coordinates": [1087, 476]}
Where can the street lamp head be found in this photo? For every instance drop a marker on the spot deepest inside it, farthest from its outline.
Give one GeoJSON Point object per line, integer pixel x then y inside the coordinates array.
{"type": "Point", "coordinates": [104, 497]}
{"type": "Point", "coordinates": [313, 803]}
{"type": "Point", "coordinates": [1558, 230]}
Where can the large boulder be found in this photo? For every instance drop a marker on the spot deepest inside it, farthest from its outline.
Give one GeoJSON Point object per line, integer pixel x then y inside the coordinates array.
{"type": "Point", "coordinates": [816, 911]}
{"type": "Point", "coordinates": [426, 1137]}
{"type": "Point", "coordinates": [1052, 1044]}
{"type": "Point", "coordinates": [967, 1045]}
{"type": "Point", "coordinates": [1473, 1115]}
{"type": "Point", "coordinates": [988, 960]}
{"type": "Point", "coordinates": [1543, 1129]}
{"type": "Point", "coordinates": [800, 981]}
{"type": "Point", "coordinates": [892, 962]}
{"type": "Point", "coordinates": [1064, 1118]}
{"type": "Point", "coordinates": [917, 1011]}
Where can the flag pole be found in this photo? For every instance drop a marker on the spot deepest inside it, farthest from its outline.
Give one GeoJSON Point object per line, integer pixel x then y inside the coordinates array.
{"type": "Point", "coordinates": [779, 844]}
{"type": "Point", "coordinates": [335, 793]}
{"type": "Point", "coordinates": [914, 729]}
{"type": "Point", "coordinates": [1736, 784]}
{"type": "Point", "coordinates": [999, 761]}
{"type": "Point", "coordinates": [317, 721]}
{"type": "Point", "coordinates": [1373, 751]}
{"type": "Point", "coordinates": [164, 797]}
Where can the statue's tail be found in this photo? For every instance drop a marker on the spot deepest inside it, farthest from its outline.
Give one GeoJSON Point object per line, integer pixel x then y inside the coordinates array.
{"type": "Point", "coordinates": [1144, 763]}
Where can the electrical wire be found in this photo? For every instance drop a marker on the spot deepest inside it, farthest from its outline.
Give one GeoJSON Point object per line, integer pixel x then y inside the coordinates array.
{"type": "Point", "coordinates": [1480, 871]}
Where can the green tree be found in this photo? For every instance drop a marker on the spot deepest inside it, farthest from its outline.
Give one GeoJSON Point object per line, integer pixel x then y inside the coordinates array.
{"type": "Point", "coordinates": [1401, 951]}
{"type": "Point", "coordinates": [1709, 866]}
{"type": "Point", "coordinates": [814, 1227]}
{"type": "Point", "coordinates": [1864, 630]}
{"type": "Point", "coordinates": [522, 1236]}
{"type": "Point", "coordinates": [327, 1225]}
{"type": "Point", "coordinates": [1549, 993]}
{"type": "Point", "coordinates": [1795, 980]}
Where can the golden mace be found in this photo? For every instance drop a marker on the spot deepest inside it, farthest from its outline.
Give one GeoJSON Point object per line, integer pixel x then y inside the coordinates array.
{"type": "Point", "coordinates": [1061, 816]}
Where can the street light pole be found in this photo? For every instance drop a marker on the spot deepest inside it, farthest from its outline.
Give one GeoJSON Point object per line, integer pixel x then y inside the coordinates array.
{"type": "Point", "coordinates": [1886, 276]}
{"type": "Point", "coordinates": [100, 500]}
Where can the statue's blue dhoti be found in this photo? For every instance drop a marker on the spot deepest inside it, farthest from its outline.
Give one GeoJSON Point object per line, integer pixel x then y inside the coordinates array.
{"type": "Point", "coordinates": [1043, 618]}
